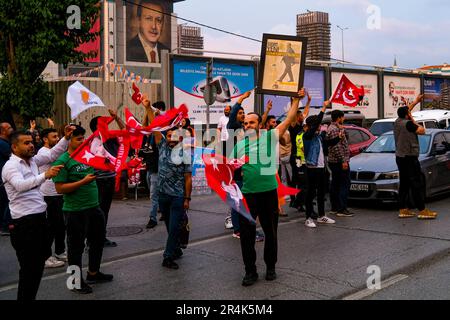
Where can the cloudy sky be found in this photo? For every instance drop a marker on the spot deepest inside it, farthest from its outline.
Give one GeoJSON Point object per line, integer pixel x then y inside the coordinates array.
{"type": "Point", "coordinates": [418, 32]}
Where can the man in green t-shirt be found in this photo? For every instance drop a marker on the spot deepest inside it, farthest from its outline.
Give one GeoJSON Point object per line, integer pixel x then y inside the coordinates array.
{"type": "Point", "coordinates": [260, 189]}
{"type": "Point", "coordinates": [84, 218]}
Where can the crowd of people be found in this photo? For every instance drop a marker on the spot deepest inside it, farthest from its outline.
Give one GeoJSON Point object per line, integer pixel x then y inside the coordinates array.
{"type": "Point", "coordinates": [48, 199]}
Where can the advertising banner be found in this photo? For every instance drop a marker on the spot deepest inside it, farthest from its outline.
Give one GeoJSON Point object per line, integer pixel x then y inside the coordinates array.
{"type": "Point", "coordinates": [148, 30]}
{"type": "Point", "coordinates": [369, 105]}
{"type": "Point", "coordinates": [92, 45]}
{"type": "Point", "coordinates": [437, 93]}
{"type": "Point", "coordinates": [398, 92]}
{"type": "Point", "coordinates": [232, 81]}
{"type": "Point", "coordinates": [314, 84]}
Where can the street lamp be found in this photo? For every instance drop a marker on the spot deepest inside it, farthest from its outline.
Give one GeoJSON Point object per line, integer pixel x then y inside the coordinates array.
{"type": "Point", "coordinates": [342, 29]}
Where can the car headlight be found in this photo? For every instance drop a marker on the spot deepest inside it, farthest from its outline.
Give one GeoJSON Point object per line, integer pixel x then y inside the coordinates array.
{"type": "Point", "coordinates": [389, 176]}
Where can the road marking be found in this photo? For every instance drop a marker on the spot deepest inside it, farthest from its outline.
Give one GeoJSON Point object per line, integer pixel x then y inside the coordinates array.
{"type": "Point", "coordinates": [138, 256]}
{"type": "Point", "coordinates": [384, 284]}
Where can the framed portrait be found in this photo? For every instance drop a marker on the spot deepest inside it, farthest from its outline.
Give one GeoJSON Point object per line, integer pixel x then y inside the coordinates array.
{"type": "Point", "coordinates": [282, 68]}
{"type": "Point", "coordinates": [148, 31]}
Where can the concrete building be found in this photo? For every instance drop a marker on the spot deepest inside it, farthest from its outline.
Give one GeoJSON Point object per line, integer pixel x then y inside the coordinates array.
{"type": "Point", "coordinates": [190, 37]}
{"type": "Point", "coordinates": [316, 27]}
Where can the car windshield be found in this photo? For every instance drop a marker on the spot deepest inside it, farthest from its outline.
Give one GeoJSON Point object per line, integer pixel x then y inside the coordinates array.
{"type": "Point", "coordinates": [386, 144]}
{"type": "Point", "coordinates": [380, 128]}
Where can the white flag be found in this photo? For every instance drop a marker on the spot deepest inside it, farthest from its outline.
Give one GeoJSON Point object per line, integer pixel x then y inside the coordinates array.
{"type": "Point", "coordinates": [79, 98]}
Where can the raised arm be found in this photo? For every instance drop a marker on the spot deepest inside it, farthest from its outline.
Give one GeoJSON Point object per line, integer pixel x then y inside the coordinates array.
{"type": "Point", "coordinates": [308, 106]}
{"type": "Point", "coordinates": [266, 113]}
{"type": "Point", "coordinates": [415, 102]}
{"type": "Point", "coordinates": [244, 96]}
{"type": "Point", "coordinates": [282, 127]}
{"type": "Point", "coordinates": [56, 151]}
{"type": "Point", "coordinates": [117, 119]}
{"type": "Point", "coordinates": [150, 116]}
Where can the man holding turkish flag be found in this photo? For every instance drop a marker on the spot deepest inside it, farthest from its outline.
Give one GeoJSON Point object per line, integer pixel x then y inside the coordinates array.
{"type": "Point", "coordinates": [347, 93]}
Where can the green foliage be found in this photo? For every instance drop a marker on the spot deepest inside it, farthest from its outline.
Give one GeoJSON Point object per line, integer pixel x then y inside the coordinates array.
{"type": "Point", "coordinates": [32, 33]}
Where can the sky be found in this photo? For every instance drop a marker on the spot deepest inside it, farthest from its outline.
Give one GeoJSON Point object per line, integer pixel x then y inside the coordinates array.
{"type": "Point", "coordinates": [417, 32]}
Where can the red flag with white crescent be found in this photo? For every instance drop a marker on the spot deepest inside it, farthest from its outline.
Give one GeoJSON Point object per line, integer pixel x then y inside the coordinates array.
{"type": "Point", "coordinates": [347, 93]}
{"type": "Point", "coordinates": [219, 175]}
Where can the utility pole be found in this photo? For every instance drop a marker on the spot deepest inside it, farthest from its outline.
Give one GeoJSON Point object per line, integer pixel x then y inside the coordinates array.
{"type": "Point", "coordinates": [342, 29]}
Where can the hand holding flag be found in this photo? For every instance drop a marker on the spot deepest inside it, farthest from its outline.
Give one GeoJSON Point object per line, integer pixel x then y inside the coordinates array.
{"type": "Point", "coordinates": [347, 93]}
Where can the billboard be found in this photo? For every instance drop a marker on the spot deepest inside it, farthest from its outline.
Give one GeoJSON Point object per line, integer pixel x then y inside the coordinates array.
{"type": "Point", "coordinates": [433, 90]}
{"type": "Point", "coordinates": [369, 105]}
{"type": "Point", "coordinates": [314, 84]}
{"type": "Point", "coordinates": [92, 45]}
{"type": "Point", "coordinates": [399, 92]}
{"type": "Point", "coordinates": [232, 78]}
{"type": "Point", "coordinates": [148, 30]}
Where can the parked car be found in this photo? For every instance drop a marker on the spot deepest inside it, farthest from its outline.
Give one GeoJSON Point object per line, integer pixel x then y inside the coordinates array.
{"type": "Point", "coordinates": [358, 139]}
{"type": "Point", "coordinates": [375, 175]}
{"type": "Point", "coordinates": [442, 117]}
{"type": "Point", "coordinates": [382, 126]}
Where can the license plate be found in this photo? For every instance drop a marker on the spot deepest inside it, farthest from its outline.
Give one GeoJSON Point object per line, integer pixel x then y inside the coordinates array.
{"type": "Point", "coordinates": [359, 187]}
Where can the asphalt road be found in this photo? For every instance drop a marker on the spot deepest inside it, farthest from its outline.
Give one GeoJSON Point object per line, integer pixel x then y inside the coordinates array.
{"type": "Point", "coordinates": [330, 262]}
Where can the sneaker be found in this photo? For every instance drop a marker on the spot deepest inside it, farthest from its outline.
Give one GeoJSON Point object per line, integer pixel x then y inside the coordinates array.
{"type": "Point", "coordinates": [85, 289]}
{"type": "Point", "coordinates": [333, 212]}
{"type": "Point", "coordinates": [5, 233]}
{"type": "Point", "coordinates": [98, 278]}
{"type": "Point", "coordinates": [406, 213]}
{"type": "Point", "coordinates": [236, 235]}
{"type": "Point", "coordinates": [109, 244]}
{"type": "Point", "coordinates": [250, 279]}
{"type": "Point", "coordinates": [62, 256]}
{"type": "Point", "coordinates": [259, 237]}
{"type": "Point", "coordinates": [151, 224]}
{"type": "Point", "coordinates": [427, 215]}
{"type": "Point", "coordinates": [310, 223]}
{"type": "Point", "coordinates": [52, 262]}
{"type": "Point", "coordinates": [228, 223]}
{"type": "Point", "coordinates": [326, 220]}
{"type": "Point", "coordinates": [271, 275]}
{"type": "Point", "coordinates": [170, 264]}
{"type": "Point", "coordinates": [345, 214]}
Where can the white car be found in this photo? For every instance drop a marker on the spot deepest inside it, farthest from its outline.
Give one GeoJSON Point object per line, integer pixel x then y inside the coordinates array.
{"type": "Point", "coordinates": [441, 116]}
{"type": "Point", "coordinates": [382, 126]}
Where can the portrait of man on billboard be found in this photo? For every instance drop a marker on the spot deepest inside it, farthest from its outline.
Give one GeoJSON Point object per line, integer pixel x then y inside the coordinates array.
{"type": "Point", "coordinates": [148, 30]}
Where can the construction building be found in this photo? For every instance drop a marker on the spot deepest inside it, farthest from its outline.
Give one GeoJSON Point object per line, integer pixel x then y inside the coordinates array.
{"type": "Point", "coordinates": [317, 28]}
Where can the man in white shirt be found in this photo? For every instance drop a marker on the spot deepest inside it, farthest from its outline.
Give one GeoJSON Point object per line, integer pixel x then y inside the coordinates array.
{"type": "Point", "coordinates": [55, 217]}
{"type": "Point", "coordinates": [222, 128]}
{"type": "Point", "coordinates": [29, 234]}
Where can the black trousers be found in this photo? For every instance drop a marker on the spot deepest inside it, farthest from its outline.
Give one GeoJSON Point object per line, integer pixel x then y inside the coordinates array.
{"type": "Point", "coordinates": [105, 195]}
{"type": "Point", "coordinates": [56, 224]}
{"type": "Point", "coordinates": [265, 206]}
{"type": "Point", "coordinates": [84, 224]}
{"type": "Point", "coordinates": [411, 183]}
{"type": "Point", "coordinates": [299, 181]}
{"type": "Point", "coordinates": [340, 187]}
{"type": "Point", "coordinates": [316, 187]}
{"type": "Point", "coordinates": [29, 237]}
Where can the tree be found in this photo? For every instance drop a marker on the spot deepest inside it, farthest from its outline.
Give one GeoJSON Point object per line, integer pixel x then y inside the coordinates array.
{"type": "Point", "coordinates": [32, 33]}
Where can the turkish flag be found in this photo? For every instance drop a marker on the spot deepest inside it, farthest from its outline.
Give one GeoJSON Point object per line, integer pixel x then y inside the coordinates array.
{"type": "Point", "coordinates": [285, 190]}
{"type": "Point", "coordinates": [94, 154]}
{"type": "Point", "coordinates": [135, 129]}
{"type": "Point", "coordinates": [219, 175]}
{"type": "Point", "coordinates": [137, 95]}
{"type": "Point", "coordinates": [347, 93]}
{"type": "Point", "coordinates": [168, 120]}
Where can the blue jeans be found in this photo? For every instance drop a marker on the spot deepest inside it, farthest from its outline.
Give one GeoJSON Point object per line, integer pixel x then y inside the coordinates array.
{"type": "Point", "coordinates": [172, 211]}
{"type": "Point", "coordinates": [152, 181]}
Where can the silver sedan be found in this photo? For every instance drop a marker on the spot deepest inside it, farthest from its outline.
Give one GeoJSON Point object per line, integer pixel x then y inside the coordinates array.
{"type": "Point", "coordinates": [375, 176]}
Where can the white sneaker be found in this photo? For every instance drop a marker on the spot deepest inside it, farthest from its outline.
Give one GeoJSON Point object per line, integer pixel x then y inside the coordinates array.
{"type": "Point", "coordinates": [310, 223]}
{"type": "Point", "coordinates": [228, 223]}
{"type": "Point", "coordinates": [52, 262]}
{"type": "Point", "coordinates": [62, 256]}
{"type": "Point", "coordinates": [326, 220]}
